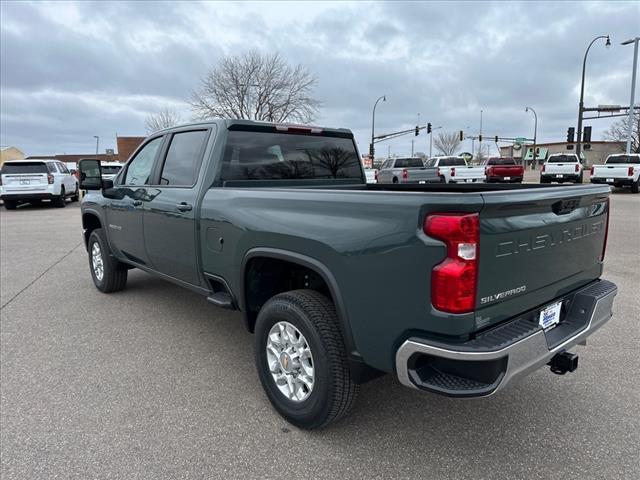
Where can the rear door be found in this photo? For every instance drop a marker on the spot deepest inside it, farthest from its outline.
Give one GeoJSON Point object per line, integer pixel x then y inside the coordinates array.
{"type": "Point", "coordinates": [27, 176]}
{"type": "Point", "coordinates": [126, 200]}
{"type": "Point", "coordinates": [170, 212]}
{"type": "Point", "coordinates": [536, 245]}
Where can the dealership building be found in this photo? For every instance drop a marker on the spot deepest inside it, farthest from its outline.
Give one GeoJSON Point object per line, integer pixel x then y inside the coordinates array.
{"type": "Point", "coordinates": [592, 152]}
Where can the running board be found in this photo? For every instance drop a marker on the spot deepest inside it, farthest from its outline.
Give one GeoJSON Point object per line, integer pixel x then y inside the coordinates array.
{"type": "Point", "coordinates": [222, 300]}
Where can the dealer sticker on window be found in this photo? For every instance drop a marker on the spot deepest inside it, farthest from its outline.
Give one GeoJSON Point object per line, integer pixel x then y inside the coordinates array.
{"type": "Point", "coordinates": [550, 316]}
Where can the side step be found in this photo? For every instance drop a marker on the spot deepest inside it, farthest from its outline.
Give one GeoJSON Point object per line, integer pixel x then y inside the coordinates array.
{"type": "Point", "coordinates": [222, 300]}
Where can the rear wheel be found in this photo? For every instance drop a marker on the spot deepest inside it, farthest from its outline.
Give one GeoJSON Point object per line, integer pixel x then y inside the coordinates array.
{"type": "Point", "coordinates": [302, 360]}
{"type": "Point", "coordinates": [580, 178]}
{"type": "Point", "coordinates": [60, 201]}
{"type": "Point", "coordinates": [395, 180]}
{"type": "Point", "coordinates": [10, 205]}
{"type": "Point", "coordinates": [76, 194]}
{"type": "Point", "coordinates": [108, 274]}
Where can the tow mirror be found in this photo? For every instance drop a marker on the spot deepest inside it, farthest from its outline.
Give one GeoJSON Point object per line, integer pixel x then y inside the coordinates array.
{"type": "Point", "coordinates": [90, 174]}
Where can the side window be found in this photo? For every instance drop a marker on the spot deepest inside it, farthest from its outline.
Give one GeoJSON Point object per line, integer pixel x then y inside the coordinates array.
{"type": "Point", "coordinates": [63, 168]}
{"type": "Point", "coordinates": [139, 169]}
{"type": "Point", "coordinates": [183, 158]}
{"type": "Point", "coordinates": [51, 167]}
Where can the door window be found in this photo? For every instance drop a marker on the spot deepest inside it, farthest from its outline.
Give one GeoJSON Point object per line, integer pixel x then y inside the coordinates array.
{"type": "Point", "coordinates": [183, 158]}
{"type": "Point", "coordinates": [139, 169]}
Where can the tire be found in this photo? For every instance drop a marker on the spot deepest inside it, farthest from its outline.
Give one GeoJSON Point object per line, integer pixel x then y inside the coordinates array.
{"type": "Point", "coordinates": [61, 200]}
{"type": "Point", "coordinates": [10, 205]}
{"type": "Point", "coordinates": [332, 392]}
{"type": "Point", "coordinates": [580, 178]}
{"type": "Point", "coordinates": [443, 179]}
{"type": "Point", "coordinates": [635, 187]}
{"type": "Point", "coordinates": [544, 180]}
{"type": "Point", "coordinates": [113, 274]}
{"type": "Point", "coordinates": [395, 180]}
{"type": "Point", "coordinates": [76, 195]}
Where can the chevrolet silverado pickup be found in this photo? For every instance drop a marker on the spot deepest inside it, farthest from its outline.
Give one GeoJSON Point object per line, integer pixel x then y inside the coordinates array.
{"type": "Point", "coordinates": [619, 170]}
{"type": "Point", "coordinates": [455, 170]}
{"type": "Point", "coordinates": [278, 222]}
{"type": "Point", "coordinates": [405, 170]}
{"type": "Point", "coordinates": [562, 167]}
{"type": "Point", "coordinates": [503, 169]}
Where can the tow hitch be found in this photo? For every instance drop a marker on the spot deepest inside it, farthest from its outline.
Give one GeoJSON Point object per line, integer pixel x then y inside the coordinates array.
{"type": "Point", "coordinates": [564, 362]}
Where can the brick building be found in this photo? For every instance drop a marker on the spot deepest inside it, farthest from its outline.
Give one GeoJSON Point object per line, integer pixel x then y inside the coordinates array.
{"type": "Point", "coordinates": [126, 146]}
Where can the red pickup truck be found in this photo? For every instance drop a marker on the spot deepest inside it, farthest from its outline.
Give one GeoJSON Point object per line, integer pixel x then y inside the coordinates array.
{"type": "Point", "coordinates": [503, 169]}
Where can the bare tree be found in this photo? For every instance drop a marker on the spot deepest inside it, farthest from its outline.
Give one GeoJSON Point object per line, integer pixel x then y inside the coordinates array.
{"type": "Point", "coordinates": [165, 118]}
{"type": "Point", "coordinates": [447, 143]}
{"type": "Point", "coordinates": [618, 132]}
{"type": "Point", "coordinates": [256, 86]}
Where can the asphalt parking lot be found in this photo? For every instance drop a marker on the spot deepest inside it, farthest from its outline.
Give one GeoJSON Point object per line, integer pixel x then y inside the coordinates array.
{"type": "Point", "coordinates": [153, 382]}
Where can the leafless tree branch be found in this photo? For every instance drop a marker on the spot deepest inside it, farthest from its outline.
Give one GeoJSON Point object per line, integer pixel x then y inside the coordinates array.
{"type": "Point", "coordinates": [165, 118]}
{"type": "Point", "coordinates": [447, 143]}
{"type": "Point", "coordinates": [256, 86]}
{"type": "Point", "coordinates": [618, 133]}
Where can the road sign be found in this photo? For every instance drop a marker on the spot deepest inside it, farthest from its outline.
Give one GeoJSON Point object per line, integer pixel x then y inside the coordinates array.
{"type": "Point", "coordinates": [520, 140]}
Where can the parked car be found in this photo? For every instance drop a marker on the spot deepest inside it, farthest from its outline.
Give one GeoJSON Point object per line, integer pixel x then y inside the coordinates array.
{"type": "Point", "coordinates": [278, 222]}
{"type": "Point", "coordinates": [31, 181]}
{"type": "Point", "coordinates": [110, 169]}
{"type": "Point", "coordinates": [562, 167]}
{"type": "Point", "coordinates": [455, 170]}
{"type": "Point", "coordinates": [503, 169]}
{"type": "Point", "coordinates": [371, 174]}
{"type": "Point", "coordinates": [619, 170]}
{"type": "Point", "coordinates": [405, 170]}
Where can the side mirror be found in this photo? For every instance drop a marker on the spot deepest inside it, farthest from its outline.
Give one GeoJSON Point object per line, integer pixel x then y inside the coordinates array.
{"type": "Point", "coordinates": [90, 174]}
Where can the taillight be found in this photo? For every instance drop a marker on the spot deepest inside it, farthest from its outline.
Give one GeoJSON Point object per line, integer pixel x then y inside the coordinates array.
{"type": "Point", "coordinates": [405, 174]}
{"type": "Point", "coordinates": [50, 179]}
{"type": "Point", "coordinates": [606, 231]}
{"type": "Point", "coordinates": [439, 172]}
{"type": "Point", "coordinates": [592, 170]}
{"type": "Point", "coordinates": [487, 170]}
{"type": "Point", "coordinates": [630, 172]}
{"type": "Point", "coordinates": [543, 167]}
{"type": "Point", "coordinates": [454, 280]}
{"type": "Point", "coordinates": [577, 168]}
{"type": "Point", "coordinates": [453, 172]}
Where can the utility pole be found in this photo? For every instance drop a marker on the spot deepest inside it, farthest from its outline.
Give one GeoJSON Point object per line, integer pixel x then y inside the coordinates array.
{"type": "Point", "coordinates": [97, 144]}
{"type": "Point", "coordinates": [633, 90]}
{"type": "Point", "coordinates": [412, 148]}
{"type": "Point", "coordinates": [480, 136]}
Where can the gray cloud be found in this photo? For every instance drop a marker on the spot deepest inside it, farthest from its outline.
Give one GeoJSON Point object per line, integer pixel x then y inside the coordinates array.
{"type": "Point", "coordinates": [71, 71]}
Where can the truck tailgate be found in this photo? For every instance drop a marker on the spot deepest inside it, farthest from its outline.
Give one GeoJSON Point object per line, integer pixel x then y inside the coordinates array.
{"type": "Point", "coordinates": [534, 250]}
{"type": "Point", "coordinates": [611, 171]}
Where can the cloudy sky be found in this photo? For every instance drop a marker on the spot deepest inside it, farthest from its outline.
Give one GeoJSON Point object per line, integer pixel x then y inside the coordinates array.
{"type": "Point", "coordinates": [69, 71]}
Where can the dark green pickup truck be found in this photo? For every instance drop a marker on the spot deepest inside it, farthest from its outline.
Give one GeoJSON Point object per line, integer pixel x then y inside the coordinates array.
{"type": "Point", "coordinates": [456, 289]}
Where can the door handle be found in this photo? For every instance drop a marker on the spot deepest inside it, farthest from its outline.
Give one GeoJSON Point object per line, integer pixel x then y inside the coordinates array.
{"type": "Point", "coordinates": [137, 203]}
{"type": "Point", "coordinates": [184, 207]}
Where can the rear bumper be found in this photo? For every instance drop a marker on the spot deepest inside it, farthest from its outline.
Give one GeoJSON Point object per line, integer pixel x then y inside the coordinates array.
{"type": "Point", "coordinates": [26, 197]}
{"type": "Point", "coordinates": [615, 181]}
{"type": "Point", "coordinates": [553, 177]}
{"type": "Point", "coordinates": [467, 180]}
{"type": "Point", "coordinates": [504, 180]}
{"type": "Point", "coordinates": [492, 360]}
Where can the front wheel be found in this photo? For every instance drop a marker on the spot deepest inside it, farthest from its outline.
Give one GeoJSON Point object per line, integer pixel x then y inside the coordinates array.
{"type": "Point", "coordinates": [76, 194]}
{"type": "Point", "coordinates": [302, 360]}
{"type": "Point", "coordinates": [108, 274]}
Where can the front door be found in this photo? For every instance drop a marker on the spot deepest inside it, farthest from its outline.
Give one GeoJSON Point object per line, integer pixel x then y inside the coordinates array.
{"type": "Point", "coordinates": [126, 201]}
{"type": "Point", "coordinates": [170, 214]}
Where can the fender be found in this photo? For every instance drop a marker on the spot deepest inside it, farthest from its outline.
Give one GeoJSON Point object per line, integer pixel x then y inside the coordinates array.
{"type": "Point", "coordinates": [355, 360]}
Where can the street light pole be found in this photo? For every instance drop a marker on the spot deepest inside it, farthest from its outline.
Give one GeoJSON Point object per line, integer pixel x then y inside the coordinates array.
{"type": "Point", "coordinates": [633, 89]}
{"type": "Point", "coordinates": [535, 135]}
{"type": "Point", "coordinates": [97, 144]}
{"type": "Point", "coordinates": [373, 128]}
{"type": "Point", "coordinates": [581, 105]}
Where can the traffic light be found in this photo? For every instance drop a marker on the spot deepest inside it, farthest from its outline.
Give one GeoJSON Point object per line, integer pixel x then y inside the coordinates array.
{"type": "Point", "coordinates": [417, 130]}
{"type": "Point", "coordinates": [479, 138]}
{"type": "Point", "coordinates": [586, 136]}
{"type": "Point", "coordinates": [461, 135]}
{"type": "Point", "coordinates": [428, 128]}
{"type": "Point", "coordinates": [495, 139]}
{"type": "Point", "coordinates": [571, 132]}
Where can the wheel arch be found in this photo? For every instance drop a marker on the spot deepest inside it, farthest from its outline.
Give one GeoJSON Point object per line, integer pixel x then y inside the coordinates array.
{"type": "Point", "coordinates": [90, 222]}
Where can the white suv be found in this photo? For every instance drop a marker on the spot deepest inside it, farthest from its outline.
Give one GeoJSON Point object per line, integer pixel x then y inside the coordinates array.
{"type": "Point", "coordinates": [30, 181]}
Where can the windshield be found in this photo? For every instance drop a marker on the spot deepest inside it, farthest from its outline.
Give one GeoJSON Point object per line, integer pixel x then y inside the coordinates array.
{"type": "Point", "coordinates": [623, 159]}
{"type": "Point", "coordinates": [24, 167]}
{"type": "Point", "coordinates": [431, 162]}
{"type": "Point", "coordinates": [500, 161]}
{"type": "Point", "coordinates": [251, 155]}
{"type": "Point", "coordinates": [110, 169]}
{"type": "Point", "coordinates": [562, 159]}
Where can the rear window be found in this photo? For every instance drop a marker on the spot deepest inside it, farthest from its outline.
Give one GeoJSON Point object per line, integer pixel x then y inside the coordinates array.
{"type": "Point", "coordinates": [452, 162]}
{"type": "Point", "coordinates": [501, 161]}
{"type": "Point", "coordinates": [562, 159]}
{"type": "Point", "coordinates": [283, 156]}
{"type": "Point", "coordinates": [110, 169]}
{"type": "Point", "coordinates": [623, 159]}
{"type": "Point", "coordinates": [409, 163]}
{"type": "Point", "coordinates": [24, 167]}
